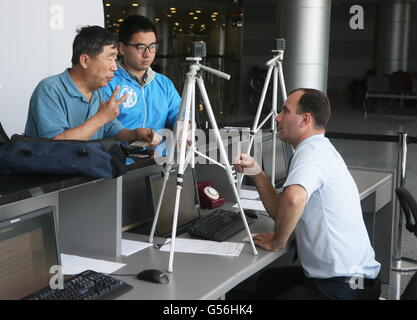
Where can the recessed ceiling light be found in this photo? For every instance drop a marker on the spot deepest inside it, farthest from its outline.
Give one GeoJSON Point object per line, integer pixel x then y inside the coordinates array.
{"type": "Point", "coordinates": [120, 20]}
{"type": "Point", "coordinates": [135, 4]}
{"type": "Point", "coordinates": [169, 15]}
{"type": "Point", "coordinates": [177, 23]}
{"type": "Point", "coordinates": [195, 18]}
{"type": "Point", "coordinates": [108, 4]}
{"type": "Point", "coordinates": [172, 9]}
{"type": "Point", "coordinates": [191, 13]}
{"type": "Point", "coordinates": [198, 11]}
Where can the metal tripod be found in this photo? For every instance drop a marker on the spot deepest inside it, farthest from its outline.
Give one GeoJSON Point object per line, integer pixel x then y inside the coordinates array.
{"type": "Point", "coordinates": [274, 65]}
{"type": "Point", "coordinates": [188, 155]}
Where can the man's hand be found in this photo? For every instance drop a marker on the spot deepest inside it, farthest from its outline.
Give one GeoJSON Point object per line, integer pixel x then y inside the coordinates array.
{"type": "Point", "coordinates": [244, 163]}
{"type": "Point", "coordinates": [180, 125]}
{"type": "Point", "coordinates": [148, 135]}
{"type": "Point", "coordinates": [267, 241]}
{"type": "Point", "coordinates": [109, 110]}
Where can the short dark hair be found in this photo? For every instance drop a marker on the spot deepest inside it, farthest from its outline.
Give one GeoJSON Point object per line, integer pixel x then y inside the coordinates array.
{"type": "Point", "coordinates": [317, 103]}
{"type": "Point", "coordinates": [91, 40]}
{"type": "Point", "coordinates": [133, 24]}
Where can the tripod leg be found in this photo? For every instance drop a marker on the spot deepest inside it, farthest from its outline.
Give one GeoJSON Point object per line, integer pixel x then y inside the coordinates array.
{"type": "Point", "coordinates": [189, 89]}
{"type": "Point", "coordinates": [168, 165]}
{"type": "Point", "coordinates": [274, 125]}
{"type": "Point", "coordinates": [287, 149]}
{"type": "Point", "coordinates": [258, 115]}
{"type": "Point", "coordinates": [161, 196]}
{"type": "Point", "coordinates": [261, 101]}
{"type": "Point", "coordinates": [224, 158]}
{"type": "Point", "coordinates": [282, 82]}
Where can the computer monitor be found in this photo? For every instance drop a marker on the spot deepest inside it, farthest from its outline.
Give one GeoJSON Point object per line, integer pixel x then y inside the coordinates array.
{"type": "Point", "coordinates": [280, 167]}
{"type": "Point", "coordinates": [28, 249]}
{"type": "Point", "coordinates": [189, 205]}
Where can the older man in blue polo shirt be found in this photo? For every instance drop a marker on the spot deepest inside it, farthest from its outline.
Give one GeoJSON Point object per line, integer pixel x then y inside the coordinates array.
{"type": "Point", "coordinates": [320, 203]}
{"type": "Point", "coordinates": [69, 105]}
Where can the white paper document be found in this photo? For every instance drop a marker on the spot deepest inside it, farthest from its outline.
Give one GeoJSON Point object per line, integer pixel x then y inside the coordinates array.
{"type": "Point", "coordinates": [251, 204]}
{"type": "Point", "coordinates": [75, 264]}
{"type": "Point", "coordinates": [249, 194]}
{"type": "Point", "coordinates": [130, 247]}
{"type": "Point", "coordinates": [205, 247]}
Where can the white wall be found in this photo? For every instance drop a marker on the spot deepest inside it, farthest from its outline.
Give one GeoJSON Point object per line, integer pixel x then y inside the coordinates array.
{"type": "Point", "coordinates": [36, 41]}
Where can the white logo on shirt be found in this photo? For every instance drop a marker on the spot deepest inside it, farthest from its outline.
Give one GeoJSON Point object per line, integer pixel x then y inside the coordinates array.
{"type": "Point", "coordinates": [131, 100]}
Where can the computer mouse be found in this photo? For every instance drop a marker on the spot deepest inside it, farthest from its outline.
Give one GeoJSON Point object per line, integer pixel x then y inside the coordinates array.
{"type": "Point", "coordinates": [153, 275]}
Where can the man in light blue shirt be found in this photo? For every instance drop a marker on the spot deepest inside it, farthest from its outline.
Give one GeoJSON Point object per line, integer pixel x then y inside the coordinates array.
{"type": "Point", "coordinates": [320, 203]}
{"type": "Point", "coordinates": [69, 105]}
{"type": "Point", "coordinates": [153, 101]}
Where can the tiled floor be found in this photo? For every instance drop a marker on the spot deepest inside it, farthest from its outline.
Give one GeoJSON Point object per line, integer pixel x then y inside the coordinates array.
{"type": "Point", "coordinates": [346, 118]}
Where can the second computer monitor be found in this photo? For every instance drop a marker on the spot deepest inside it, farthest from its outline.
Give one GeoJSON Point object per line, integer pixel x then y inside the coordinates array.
{"type": "Point", "coordinates": [28, 250]}
{"type": "Point", "coordinates": [188, 209]}
{"type": "Point", "coordinates": [280, 166]}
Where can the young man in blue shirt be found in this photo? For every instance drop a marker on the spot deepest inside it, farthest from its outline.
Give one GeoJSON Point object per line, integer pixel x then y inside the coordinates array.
{"type": "Point", "coordinates": [320, 203]}
{"type": "Point", "coordinates": [153, 101]}
{"type": "Point", "coordinates": [70, 106]}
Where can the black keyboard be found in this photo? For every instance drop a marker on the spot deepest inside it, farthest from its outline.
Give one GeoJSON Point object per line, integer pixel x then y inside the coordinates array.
{"type": "Point", "coordinates": [88, 285]}
{"type": "Point", "coordinates": [220, 225]}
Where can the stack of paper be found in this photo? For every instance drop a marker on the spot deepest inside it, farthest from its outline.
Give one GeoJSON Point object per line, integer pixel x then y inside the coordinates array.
{"type": "Point", "coordinates": [251, 204]}
{"type": "Point", "coordinates": [75, 264]}
{"type": "Point", "coordinates": [249, 194]}
{"type": "Point", "coordinates": [130, 247]}
{"type": "Point", "coordinates": [205, 247]}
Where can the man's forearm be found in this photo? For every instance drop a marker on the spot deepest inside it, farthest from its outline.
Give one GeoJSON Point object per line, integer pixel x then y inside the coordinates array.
{"type": "Point", "coordinates": [289, 211]}
{"type": "Point", "coordinates": [82, 132]}
{"type": "Point", "coordinates": [268, 194]}
{"type": "Point", "coordinates": [127, 135]}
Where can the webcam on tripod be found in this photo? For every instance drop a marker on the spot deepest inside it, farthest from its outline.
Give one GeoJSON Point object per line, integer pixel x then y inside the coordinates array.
{"type": "Point", "coordinates": [199, 49]}
{"type": "Point", "coordinates": [280, 44]}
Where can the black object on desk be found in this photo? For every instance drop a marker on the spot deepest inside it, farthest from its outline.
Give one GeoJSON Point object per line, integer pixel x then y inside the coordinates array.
{"type": "Point", "coordinates": [153, 275]}
{"type": "Point", "coordinates": [88, 285]}
{"type": "Point", "coordinates": [220, 225]}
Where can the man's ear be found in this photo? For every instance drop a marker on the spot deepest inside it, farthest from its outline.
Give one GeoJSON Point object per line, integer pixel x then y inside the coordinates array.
{"type": "Point", "coordinates": [122, 48]}
{"type": "Point", "coordinates": [307, 119]}
{"type": "Point", "coordinates": [84, 61]}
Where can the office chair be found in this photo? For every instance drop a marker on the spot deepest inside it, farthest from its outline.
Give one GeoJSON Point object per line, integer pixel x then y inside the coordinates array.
{"type": "Point", "coordinates": [409, 207]}
{"type": "Point", "coordinates": [410, 291]}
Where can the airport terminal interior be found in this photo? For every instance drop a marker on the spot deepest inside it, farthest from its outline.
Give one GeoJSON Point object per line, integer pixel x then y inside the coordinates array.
{"type": "Point", "coordinates": [362, 53]}
{"type": "Point", "coordinates": [352, 56]}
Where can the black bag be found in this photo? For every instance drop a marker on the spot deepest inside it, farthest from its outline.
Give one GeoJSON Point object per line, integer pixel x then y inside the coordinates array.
{"type": "Point", "coordinates": [103, 158]}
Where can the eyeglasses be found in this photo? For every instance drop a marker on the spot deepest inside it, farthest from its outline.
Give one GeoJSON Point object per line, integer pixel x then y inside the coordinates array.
{"type": "Point", "coordinates": [141, 48]}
